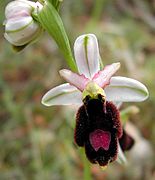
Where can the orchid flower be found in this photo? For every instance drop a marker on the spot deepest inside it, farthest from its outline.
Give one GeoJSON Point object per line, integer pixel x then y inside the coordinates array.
{"type": "Point", "coordinates": [20, 26]}
{"type": "Point", "coordinates": [98, 126]}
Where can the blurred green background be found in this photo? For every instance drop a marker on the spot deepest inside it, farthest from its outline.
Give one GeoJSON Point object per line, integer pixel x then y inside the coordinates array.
{"type": "Point", "coordinates": [36, 142]}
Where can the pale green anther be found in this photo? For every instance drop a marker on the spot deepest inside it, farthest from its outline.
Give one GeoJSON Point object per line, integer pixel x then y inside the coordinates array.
{"type": "Point", "coordinates": [93, 90]}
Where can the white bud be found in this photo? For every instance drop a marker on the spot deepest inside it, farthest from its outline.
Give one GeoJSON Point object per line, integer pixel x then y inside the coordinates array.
{"type": "Point", "coordinates": [20, 27]}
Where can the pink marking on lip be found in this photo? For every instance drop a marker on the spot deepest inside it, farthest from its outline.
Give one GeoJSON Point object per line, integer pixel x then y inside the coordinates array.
{"type": "Point", "coordinates": [100, 139]}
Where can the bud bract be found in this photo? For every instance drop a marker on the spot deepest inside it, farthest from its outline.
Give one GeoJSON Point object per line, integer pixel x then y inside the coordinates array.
{"type": "Point", "coordinates": [20, 26]}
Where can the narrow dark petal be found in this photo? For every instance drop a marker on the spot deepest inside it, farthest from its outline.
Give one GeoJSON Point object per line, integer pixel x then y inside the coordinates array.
{"type": "Point", "coordinates": [126, 141]}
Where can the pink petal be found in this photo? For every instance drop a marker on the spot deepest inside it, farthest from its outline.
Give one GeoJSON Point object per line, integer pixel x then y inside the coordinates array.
{"type": "Point", "coordinates": [79, 81]}
{"type": "Point", "coordinates": [102, 78]}
{"type": "Point", "coordinates": [86, 53]}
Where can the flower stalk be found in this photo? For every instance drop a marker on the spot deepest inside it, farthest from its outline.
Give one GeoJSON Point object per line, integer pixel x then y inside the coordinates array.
{"type": "Point", "coordinates": [86, 164]}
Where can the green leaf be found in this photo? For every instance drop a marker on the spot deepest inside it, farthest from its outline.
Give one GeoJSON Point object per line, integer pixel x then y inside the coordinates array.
{"type": "Point", "coordinates": [52, 23]}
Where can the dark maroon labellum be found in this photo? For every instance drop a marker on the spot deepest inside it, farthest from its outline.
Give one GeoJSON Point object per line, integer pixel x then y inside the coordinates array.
{"type": "Point", "coordinates": [98, 129]}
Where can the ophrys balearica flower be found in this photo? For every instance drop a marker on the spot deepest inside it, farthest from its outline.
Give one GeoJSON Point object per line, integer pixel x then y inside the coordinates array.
{"type": "Point", "coordinates": [98, 126]}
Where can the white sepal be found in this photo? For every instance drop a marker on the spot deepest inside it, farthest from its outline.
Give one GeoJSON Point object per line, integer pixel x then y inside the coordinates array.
{"type": "Point", "coordinates": [64, 94]}
{"type": "Point", "coordinates": [124, 89]}
{"type": "Point", "coordinates": [86, 53]}
{"type": "Point", "coordinates": [24, 36]}
{"type": "Point", "coordinates": [15, 7]}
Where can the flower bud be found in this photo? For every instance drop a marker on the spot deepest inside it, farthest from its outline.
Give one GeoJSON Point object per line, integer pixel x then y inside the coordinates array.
{"type": "Point", "coordinates": [20, 26]}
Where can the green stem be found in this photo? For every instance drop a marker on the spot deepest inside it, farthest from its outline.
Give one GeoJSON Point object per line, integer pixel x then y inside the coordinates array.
{"type": "Point", "coordinates": [87, 170]}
